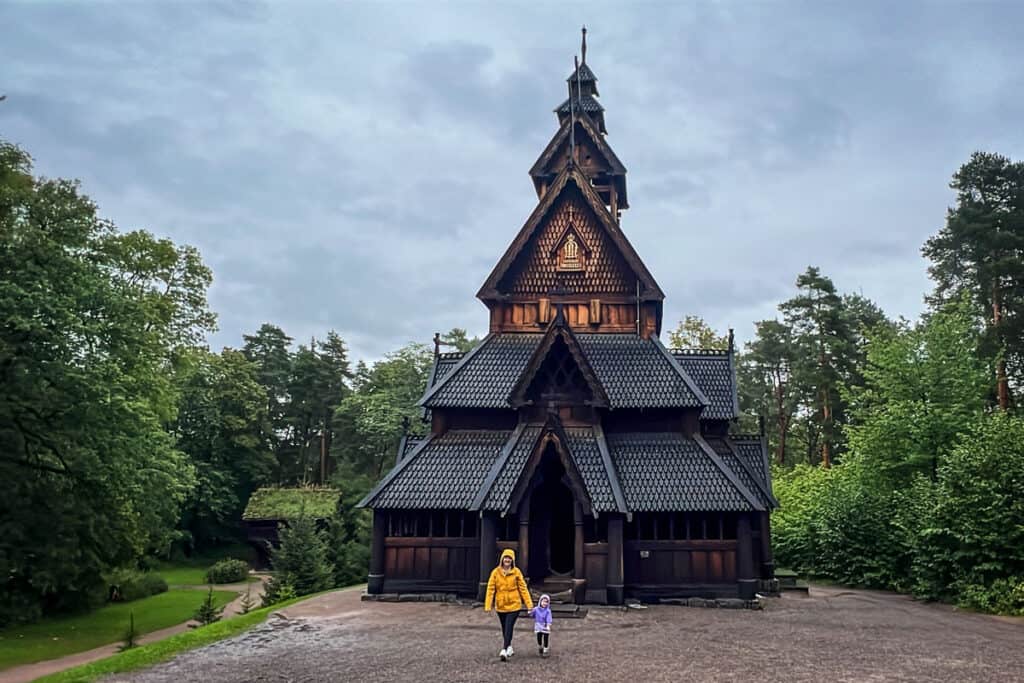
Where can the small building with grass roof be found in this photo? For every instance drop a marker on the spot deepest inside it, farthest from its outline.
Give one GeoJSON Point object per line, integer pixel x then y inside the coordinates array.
{"type": "Point", "coordinates": [270, 507]}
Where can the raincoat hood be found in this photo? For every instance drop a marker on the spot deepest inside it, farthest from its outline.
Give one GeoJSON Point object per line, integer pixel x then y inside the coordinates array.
{"type": "Point", "coordinates": [507, 552]}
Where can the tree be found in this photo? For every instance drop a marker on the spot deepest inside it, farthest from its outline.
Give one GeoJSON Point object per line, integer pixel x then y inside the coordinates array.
{"type": "Point", "coordinates": [208, 612]}
{"type": "Point", "coordinates": [300, 562]}
{"type": "Point", "coordinates": [371, 419]}
{"type": "Point", "coordinates": [221, 415]}
{"type": "Point", "coordinates": [317, 386]}
{"type": "Point", "coordinates": [268, 349]}
{"type": "Point", "coordinates": [825, 347]}
{"type": "Point", "coordinates": [458, 338]}
{"type": "Point", "coordinates": [980, 252]}
{"type": "Point", "coordinates": [924, 386]}
{"type": "Point", "coordinates": [95, 322]}
{"type": "Point", "coordinates": [766, 375]}
{"type": "Point", "coordinates": [693, 333]}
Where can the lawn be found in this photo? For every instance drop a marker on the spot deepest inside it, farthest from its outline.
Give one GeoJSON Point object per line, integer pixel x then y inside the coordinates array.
{"type": "Point", "coordinates": [51, 638]}
{"type": "Point", "coordinates": [187, 573]}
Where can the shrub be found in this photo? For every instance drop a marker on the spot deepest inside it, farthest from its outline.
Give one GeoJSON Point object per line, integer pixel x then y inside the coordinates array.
{"type": "Point", "coordinates": [227, 571]}
{"type": "Point", "coordinates": [301, 559]}
{"type": "Point", "coordinates": [1003, 596]}
{"type": "Point", "coordinates": [131, 584]}
{"type": "Point", "coordinates": [277, 591]}
{"type": "Point", "coordinates": [208, 611]}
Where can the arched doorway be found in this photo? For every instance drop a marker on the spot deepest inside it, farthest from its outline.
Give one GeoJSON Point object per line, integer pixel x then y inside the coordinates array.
{"type": "Point", "coordinates": [552, 520]}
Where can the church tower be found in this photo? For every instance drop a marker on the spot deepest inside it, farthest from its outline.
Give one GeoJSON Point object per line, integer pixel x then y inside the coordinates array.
{"type": "Point", "coordinates": [570, 434]}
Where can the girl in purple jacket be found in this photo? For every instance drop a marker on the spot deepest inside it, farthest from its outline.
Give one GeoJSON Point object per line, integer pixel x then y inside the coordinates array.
{"type": "Point", "coordinates": [542, 624]}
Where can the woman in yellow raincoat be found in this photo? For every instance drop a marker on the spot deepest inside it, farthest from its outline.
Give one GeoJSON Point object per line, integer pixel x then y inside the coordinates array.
{"type": "Point", "coordinates": [506, 592]}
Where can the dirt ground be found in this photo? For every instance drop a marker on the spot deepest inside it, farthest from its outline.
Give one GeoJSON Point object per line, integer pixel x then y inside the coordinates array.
{"type": "Point", "coordinates": [833, 635]}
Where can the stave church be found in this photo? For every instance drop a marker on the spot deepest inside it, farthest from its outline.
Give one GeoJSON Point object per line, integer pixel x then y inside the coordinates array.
{"type": "Point", "coordinates": [570, 433]}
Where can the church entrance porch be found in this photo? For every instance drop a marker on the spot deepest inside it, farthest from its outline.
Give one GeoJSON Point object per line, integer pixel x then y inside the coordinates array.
{"type": "Point", "coordinates": [552, 523]}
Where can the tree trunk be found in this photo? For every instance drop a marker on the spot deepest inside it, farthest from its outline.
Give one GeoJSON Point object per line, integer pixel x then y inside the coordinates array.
{"type": "Point", "coordinates": [826, 431]}
{"type": "Point", "coordinates": [1002, 385]}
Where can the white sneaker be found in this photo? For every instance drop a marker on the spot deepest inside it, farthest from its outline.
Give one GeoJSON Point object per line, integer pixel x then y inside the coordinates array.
{"type": "Point", "coordinates": [503, 655]}
{"type": "Point", "coordinates": [546, 651]}
{"type": "Point", "coordinates": [511, 651]}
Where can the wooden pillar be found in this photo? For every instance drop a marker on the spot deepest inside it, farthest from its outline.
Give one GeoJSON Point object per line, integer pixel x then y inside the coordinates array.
{"type": "Point", "coordinates": [523, 556]}
{"type": "Point", "coordinates": [616, 590]}
{"type": "Point", "coordinates": [375, 580]}
{"type": "Point", "coordinates": [745, 575]}
{"type": "Point", "coordinates": [767, 559]}
{"type": "Point", "coordinates": [488, 551]}
{"type": "Point", "coordinates": [577, 551]}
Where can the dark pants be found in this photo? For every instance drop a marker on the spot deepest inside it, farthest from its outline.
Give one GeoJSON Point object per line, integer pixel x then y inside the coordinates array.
{"type": "Point", "coordinates": [508, 624]}
{"type": "Point", "coordinates": [542, 639]}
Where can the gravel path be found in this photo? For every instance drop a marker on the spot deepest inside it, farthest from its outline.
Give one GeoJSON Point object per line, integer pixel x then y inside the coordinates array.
{"type": "Point", "coordinates": [833, 635]}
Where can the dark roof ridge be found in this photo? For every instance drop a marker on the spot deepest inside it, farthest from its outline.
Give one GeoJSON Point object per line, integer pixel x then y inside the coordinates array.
{"type": "Point", "coordinates": [609, 466]}
{"type": "Point", "coordinates": [729, 474]}
{"type": "Point", "coordinates": [701, 352]}
{"type": "Point", "coordinates": [682, 373]}
{"type": "Point", "coordinates": [395, 471]}
{"type": "Point", "coordinates": [451, 373]}
{"type": "Point", "coordinates": [499, 464]}
{"type": "Point", "coordinates": [758, 478]}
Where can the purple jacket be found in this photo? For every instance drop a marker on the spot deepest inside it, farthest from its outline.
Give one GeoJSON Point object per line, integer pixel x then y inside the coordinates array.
{"type": "Point", "coordinates": [542, 616]}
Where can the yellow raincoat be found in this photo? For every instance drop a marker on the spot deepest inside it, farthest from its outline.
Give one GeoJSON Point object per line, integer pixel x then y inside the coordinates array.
{"type": "Point", "coordinates": [507, 591]}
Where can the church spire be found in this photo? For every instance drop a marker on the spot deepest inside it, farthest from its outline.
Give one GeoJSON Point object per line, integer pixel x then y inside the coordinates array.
{"type": "Point", "coordinates": [582, 92]}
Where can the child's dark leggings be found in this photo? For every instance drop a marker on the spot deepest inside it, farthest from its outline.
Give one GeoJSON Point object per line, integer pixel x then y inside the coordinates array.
{"type": "Point", "coordinates": [508, 624]}
{"type": "Point", "coordinates": [542, 639]}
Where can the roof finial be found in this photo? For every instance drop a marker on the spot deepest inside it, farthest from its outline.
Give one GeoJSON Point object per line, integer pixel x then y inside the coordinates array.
{"type": "Point", "coordinates": [584, 48]}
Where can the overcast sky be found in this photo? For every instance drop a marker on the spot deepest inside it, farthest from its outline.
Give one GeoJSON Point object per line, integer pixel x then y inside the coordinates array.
{"type": "Point", "coordinates": [362, 167]}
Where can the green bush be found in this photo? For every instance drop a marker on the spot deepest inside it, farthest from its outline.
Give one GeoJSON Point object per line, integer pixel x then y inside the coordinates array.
{"type": "Point", "coordinates": [959, 537]}
{"type": "Point", "coordinates": [227, 571]}
{"type": "Point", "coordinates": [131, 584]}
{"type": "Point", "coordinates": [1003, 596]}
{"type": "Point", "coordinates": [276, 592]}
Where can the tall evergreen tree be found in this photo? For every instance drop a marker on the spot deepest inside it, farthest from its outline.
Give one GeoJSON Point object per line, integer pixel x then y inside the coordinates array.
{"type": "Point", "coordinates": [766, 382]}
{"type": "Point", "coordinates": [980, 251]}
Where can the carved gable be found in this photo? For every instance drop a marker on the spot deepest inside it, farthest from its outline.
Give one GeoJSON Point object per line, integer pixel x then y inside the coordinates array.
{"type": "Point", "coordinates": [571, 251]}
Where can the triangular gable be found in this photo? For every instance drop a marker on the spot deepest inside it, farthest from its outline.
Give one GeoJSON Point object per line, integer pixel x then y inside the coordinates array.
{"type": "Point", "coordinates": [558, 329]}
{"type": "Point", "coordinates": [649, 289]}
{"type": "Point", "coordinates": [541, 166]}
{"type": "Point", "coordinates": [553, 434]}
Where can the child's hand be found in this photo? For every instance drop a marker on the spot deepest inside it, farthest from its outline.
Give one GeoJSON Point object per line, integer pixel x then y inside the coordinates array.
{"type": "Point", "coordinates": [529, 611]}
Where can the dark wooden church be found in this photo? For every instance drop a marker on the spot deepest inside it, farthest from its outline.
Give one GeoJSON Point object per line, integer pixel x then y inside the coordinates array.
{"type": "Point", "coordinates": [571, 434]}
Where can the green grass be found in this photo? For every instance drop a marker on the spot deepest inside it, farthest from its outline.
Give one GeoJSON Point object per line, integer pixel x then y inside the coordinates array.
{"type": "Point", "coordinates": [52, 638]}
{"type": "Point", "coordinates": [187, 573]}
{"type": "Point", "coordinates": [154, 653]}
{"type": "Point", "coordinates": [289, 503]}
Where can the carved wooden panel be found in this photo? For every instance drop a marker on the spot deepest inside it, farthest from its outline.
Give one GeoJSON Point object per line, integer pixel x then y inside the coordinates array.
{"type": "Point", "coordinates": [536, 271]}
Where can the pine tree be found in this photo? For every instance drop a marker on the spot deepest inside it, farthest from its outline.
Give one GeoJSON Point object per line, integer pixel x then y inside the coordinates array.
{"type": "Point", "coordinates": [130, 636]}
{"type": "Point", "coordinates": [301, 560]}
{"type": "Point", "coordinates": [208, 611]}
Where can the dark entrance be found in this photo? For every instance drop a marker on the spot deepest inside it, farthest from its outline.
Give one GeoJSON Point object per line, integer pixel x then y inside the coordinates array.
{"type": "Point", "coordinates": [552, 521]}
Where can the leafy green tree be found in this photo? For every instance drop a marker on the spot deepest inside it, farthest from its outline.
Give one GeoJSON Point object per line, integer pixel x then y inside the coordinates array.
{"type": "Point", "coordinates": [974, 534]}
{"type": "Point", "coordinates": [371, 419]}
{"type": "Point", "coordinates": [980, 252]}
{"type": "Point", "coordinates": [924, 385]}
{"type": "Point", "coordinates": [221, 415]}
{"type": "Point", "coordinates": [693, 333]}
{"type": "Point", "coordinates": [95, 323]}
